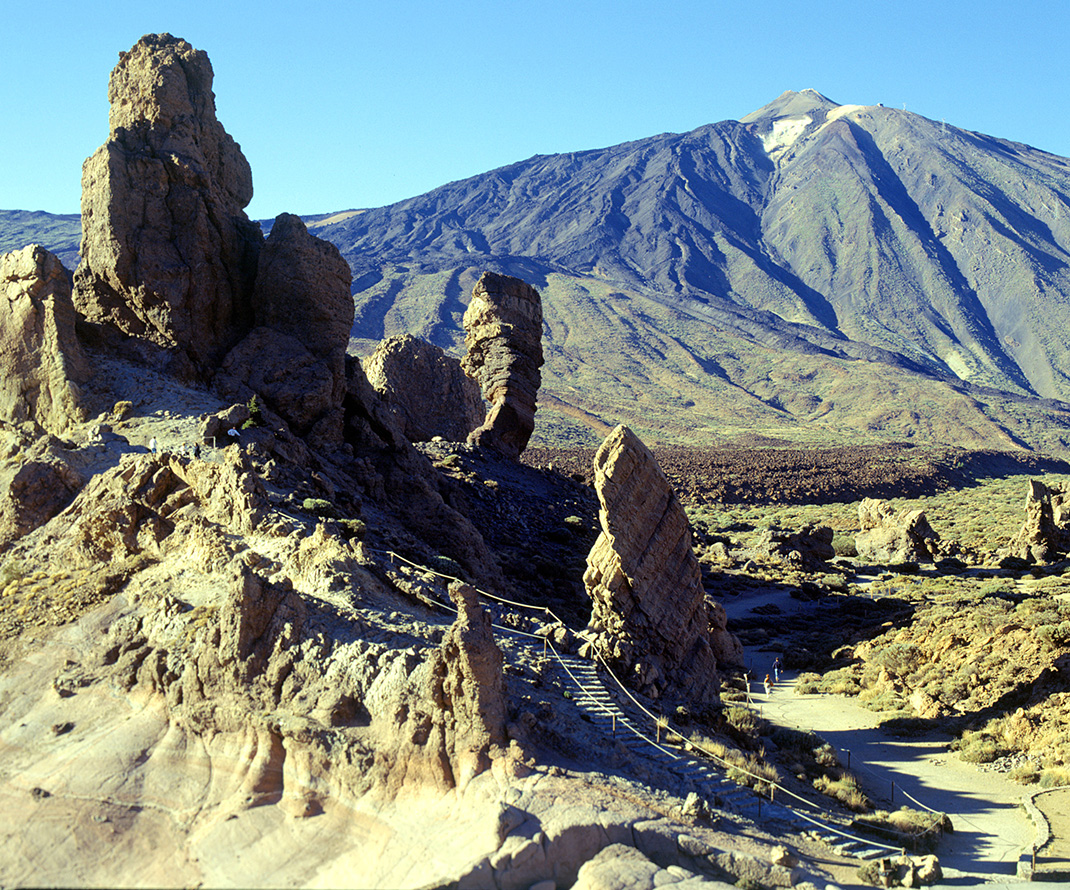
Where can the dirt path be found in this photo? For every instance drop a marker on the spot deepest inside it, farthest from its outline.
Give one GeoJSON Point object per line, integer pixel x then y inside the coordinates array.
{"type": "Point", "coordinates": [990, 827]}
{"type": "Point", "coordinates": [1055, 805]}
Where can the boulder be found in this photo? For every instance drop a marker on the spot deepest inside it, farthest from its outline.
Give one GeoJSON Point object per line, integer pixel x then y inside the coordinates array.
{"type": "Point", "coordinates": [168, 254]}
{"type": "Point", "coordinates": [42, 364]}
{"type": "Point", "coordinates": [887, 537]}
{"type": "Point", "coordinates": [299, 386]}
{"type": "Point", "coordinates": [424, 389]}
{"type": "Point", "coordinates": [813, 544]}
{"type": "Point", "coordinates": [649, 615]}
{"type": "Point", "coordinates": [1044, 535]}
{"type": "Point", "coordinates": [503, 336]}
{"type": "Point", "coordinates": [33, 493]}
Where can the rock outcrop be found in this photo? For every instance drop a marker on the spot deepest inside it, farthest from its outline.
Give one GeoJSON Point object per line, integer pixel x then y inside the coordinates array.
{"type": "Point", "coordinates": [1044, 536]}
{"type": "Point", "coordinates": [650, 617]}
{"type": "Point", "coordinates": [295, 357]}
{"type": "Point", "coordinates": [455, 702]}
{"type": "Point", "coordinates": [887, 537]}
{"type": "Point", "coordinates": [34, 489]}
{"type": "Point", "coordinates": [503, 336]}
{"type": "Point", "coordinates": [41, 361]}
{"type": "Point", "coordinates": [424, 389]}
{"type": "Point", "coordinates": [810, 547]}
{"type": "Point", "coordinates": [168, 254]}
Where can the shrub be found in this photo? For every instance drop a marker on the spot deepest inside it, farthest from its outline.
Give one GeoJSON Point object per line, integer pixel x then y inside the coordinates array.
{"type": "Point", "coordinates": [320, 507]}
{"type": "Point", "coordinates": [445, 566]}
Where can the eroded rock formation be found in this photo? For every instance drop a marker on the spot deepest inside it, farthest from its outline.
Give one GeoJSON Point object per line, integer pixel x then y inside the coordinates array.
{"type": "Point", "coordinates": [650, 616]}
{"type": "Point", "coordinates": [424, 389]}
{"type": "Point", "coordinates": [810, 547]}
{"type": "Point", "coordinates": [168, 254]}
{"type": "Point", "coordinates": [887, 537]}
{"type": "Point", "coordinates": [1044, 535]}
{"type": "Point", "coordinates": [503, 336]}
{"type": "Point", "coordinates": [41, 361]}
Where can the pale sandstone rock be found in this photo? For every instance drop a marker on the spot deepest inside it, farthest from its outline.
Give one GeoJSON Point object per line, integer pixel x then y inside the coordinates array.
{"type": "Point", "coordinates": [424, 389]}
{"type": "Point", "coordinates": [42, 364]}
{"type": "Point", "coordinates": [503, 336]}
{"type": "Point", "coordinates": [1043, 536]}
{"type": "Point", "coordinates": [887, 537]}
{"type": "Point", "coordinates": [168, 254]}
{"type": "Point", "coordinates": [650, 617]}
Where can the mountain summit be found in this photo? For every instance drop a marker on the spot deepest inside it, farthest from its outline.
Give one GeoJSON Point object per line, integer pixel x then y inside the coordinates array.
{"type": "Point", "coordinates": [855, 268]}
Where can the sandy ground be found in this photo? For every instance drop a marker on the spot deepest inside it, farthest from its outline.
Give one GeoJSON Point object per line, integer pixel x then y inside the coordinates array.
{"type": "Point", "coordinates": [991, 829]}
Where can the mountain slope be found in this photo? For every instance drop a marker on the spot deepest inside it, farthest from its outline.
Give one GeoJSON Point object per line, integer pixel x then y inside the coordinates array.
{"type": "Point", "coordinates": [814, 270]}
{"type": "Point", "coordinates": [807, 236]}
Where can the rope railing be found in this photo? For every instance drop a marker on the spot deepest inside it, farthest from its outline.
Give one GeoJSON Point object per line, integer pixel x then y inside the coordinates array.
{"type": "Point", "coordinates": [658, 720]}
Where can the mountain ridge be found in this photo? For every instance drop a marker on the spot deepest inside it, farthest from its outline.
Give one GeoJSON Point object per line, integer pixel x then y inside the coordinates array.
{"type": "Point", "coordinates": [847, 271]}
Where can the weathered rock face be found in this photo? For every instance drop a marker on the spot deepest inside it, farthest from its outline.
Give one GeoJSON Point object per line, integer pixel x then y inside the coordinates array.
{"type": "Point", "coordinates": [168, 254]}
{"type": "Point", "coordinates": [1043, 536]}
{"type": "Point", "coordinates": [424, 389]}
{"type": "Point", "coordinates": [650, 617]}
{"type": "Point", "coordinates": [454, 702]}
{"type": "Point", "coordinates": [503, 336]}
{"type": "Point", "coordinates": [295, 358]}
{"type": "Point", "coordinates": [33, 493]}
{"type": "Point", "coordinates": [887, 537]}
{"type": "Point", "coordinates": [302, 288]}
{"type": "Point", "coordinates": [41, 360]}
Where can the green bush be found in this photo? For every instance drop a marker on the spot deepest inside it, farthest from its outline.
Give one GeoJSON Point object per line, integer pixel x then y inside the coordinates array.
{"type": "Point", "coordinates": [320, 507]}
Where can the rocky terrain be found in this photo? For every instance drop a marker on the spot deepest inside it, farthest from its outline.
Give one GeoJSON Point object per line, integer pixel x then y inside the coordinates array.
{"type": "Point", "coordinates": [270, 616]}
{"type": "Point", "coordinates": [252, 635]}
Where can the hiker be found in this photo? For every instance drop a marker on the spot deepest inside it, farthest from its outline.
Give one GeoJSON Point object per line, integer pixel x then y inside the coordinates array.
{"type": "Point", "coordinates": [768, 685]}
{"type": "Point", "coordinates": [152, 445]}
{"type": "Point", "coordinates": [197, 449]}
{"type": "Point", "coordinates": [776, 670]}
{"type": "Point", "coordinates": [233, 433]}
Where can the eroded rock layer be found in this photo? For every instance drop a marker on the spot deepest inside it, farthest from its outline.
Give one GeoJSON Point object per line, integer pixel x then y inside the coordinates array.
{"type": "Point", "coordinates": [503, 336]}
{"type": "Point", "coordinates": [168, 254]}
{"type": "Point", "coordinates": [650, 616]}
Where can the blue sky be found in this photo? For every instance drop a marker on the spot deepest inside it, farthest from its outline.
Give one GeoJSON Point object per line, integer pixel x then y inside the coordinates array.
{"type": "Point", "coordinates": [355, 104]}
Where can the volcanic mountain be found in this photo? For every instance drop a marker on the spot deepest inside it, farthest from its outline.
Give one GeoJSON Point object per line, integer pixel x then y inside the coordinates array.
{"type": "Point", "coordinates": [813, 271]}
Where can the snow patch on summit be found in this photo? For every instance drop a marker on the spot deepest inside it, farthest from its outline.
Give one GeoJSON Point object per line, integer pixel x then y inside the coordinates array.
{"type": "Point", "coordinates": [784, 134]}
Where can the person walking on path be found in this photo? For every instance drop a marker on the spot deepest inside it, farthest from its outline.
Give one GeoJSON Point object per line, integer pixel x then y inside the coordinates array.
{"type": "Point", "coordinates": [776, 670]}
{"type": "Point", "coordinates": [152, 445]}
{"type": "Point", "coordinates": [768, 685]}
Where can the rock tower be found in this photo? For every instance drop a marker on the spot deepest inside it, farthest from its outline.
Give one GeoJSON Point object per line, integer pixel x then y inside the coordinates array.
{"type": "Point", "coordinates": [503, 335]}
{"type": "Point", "coordinates": [168, 254]}
{"type": "Point", "coordinates": [650, 617]}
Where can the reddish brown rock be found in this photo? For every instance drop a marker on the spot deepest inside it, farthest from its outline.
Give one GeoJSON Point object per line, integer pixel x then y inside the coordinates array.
{"type": "Point", "coordinates": [503, 325]}
{"type": "Point", "coordinates": [168, 254]}
{"type": "Point", "coordinates": [41, 361]}
{"type": "Point", "coordinates": [295, 359]}
{"type": "Point", "coordinates": [650, 617]}
{"type": "Point", "coordinates": [424, 389]}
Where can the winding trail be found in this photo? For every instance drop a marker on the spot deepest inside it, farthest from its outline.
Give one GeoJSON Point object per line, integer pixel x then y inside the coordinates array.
{"type": "Point", "coordinates": [990, 828]}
